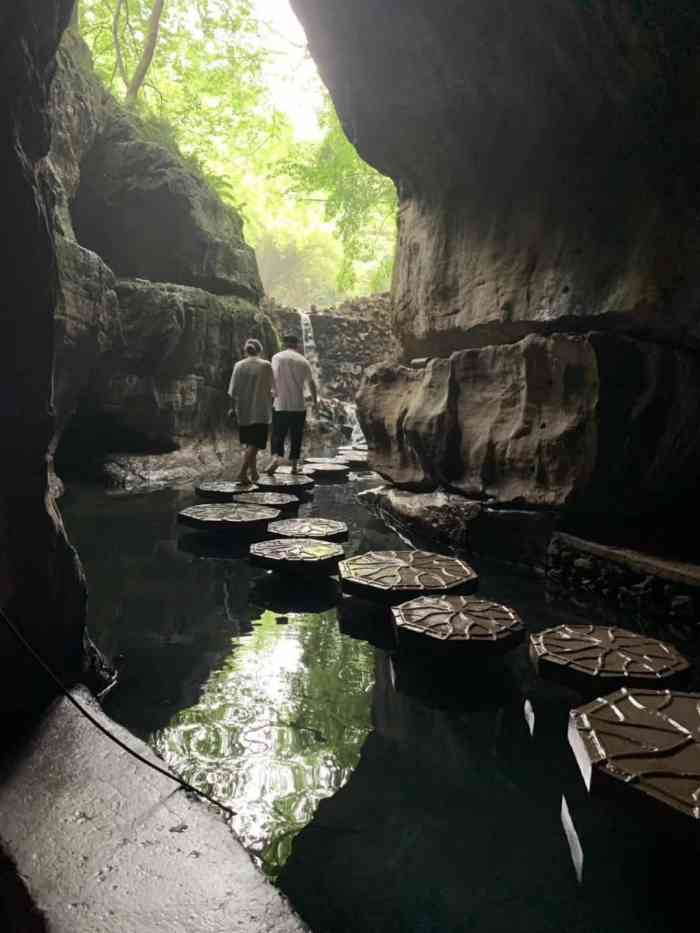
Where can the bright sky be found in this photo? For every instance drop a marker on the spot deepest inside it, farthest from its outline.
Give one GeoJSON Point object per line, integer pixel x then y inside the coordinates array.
{"type": "Point", "coordinates": [293, 77]}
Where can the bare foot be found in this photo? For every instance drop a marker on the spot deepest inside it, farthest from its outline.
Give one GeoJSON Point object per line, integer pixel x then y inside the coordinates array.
{"type": "Point", "coordinates": [242, 478]}
{"type": "Point", "coordinates": [272, 466]}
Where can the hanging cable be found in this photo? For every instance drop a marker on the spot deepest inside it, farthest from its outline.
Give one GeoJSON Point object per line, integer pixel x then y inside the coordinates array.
{"type": "Point", "coordinates": [98, 725]}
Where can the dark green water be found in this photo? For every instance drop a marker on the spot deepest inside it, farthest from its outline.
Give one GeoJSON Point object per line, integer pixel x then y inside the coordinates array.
{"type": "Point", "coordinates": [381, 794]}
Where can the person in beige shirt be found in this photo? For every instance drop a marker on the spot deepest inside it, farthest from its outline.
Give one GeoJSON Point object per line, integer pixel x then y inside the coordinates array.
{"type": "Point", "coordinates": [292, 373]}
{"type": "Point", "coordinates": [251, 389]}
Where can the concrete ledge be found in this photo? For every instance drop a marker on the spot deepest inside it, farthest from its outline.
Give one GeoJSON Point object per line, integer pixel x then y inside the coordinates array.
{"type": "Point", "coordinates": [105, 845]}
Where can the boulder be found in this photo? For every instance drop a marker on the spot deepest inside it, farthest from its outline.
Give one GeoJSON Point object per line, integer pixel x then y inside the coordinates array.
{"type": "Point", "coordinates": [150, 217]}
{"type": "Point", "coordinates": [597, 423]}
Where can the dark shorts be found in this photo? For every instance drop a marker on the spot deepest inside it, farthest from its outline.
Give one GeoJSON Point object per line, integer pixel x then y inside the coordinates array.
{"type": "Point", "coordinates": [288, 423]}
{"type": "Point", "coordinates": [254, 435]}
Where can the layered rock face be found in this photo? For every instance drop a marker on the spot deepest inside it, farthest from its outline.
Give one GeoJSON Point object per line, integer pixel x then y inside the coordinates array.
{"type": "Point", "coordinates": [159, 292]}
{"type": "Point", "coordinates": [545, 157]}
{"type": "Point", "coordinates": [41, 582]}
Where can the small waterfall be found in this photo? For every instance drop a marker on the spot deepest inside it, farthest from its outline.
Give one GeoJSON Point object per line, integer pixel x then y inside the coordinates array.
{"type": "Point", "coordinates": [349, 411]}
{"type": "Point", "coordinates": [310, 351]}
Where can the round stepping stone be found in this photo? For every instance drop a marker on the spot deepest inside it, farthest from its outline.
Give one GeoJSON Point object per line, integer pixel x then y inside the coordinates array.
{"type": "Point", "coordinates": [231, 517]}
{"type": "Point", "coordinates": [319, 528]}
{"type": "Point", "coordinates": [222, 491]}
{"type": "Point", "coordinates": [459, 620]}
{"type": "Point", "coordinates": [270, 500]}
{"type": "Point", "coordinates": [328, 470]}
{"type": "Point", "coordinates": [356, 460]}
{"type": "Point", "coordinates": [641, 741]}
{"type": "Point", "coordinates": [396, 575]}
{"type": "Point", "coordinates": [286, 483]}
{"type": "Point", "coordinates": [306, 554]}
{"type": "Point", "coordinates": [331, 460]}
{"type": "Point", "coordinates": [287, 471]}
{"type": "Point", "coordinates": [591, 655]}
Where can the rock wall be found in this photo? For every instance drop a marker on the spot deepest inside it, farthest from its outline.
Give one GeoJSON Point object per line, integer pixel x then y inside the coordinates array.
{"type": "Point", "coordinates": [159, 292]}
{"type": "Point", "coordinates": [41, 581]}
{"type": "Point", "coordinates": [546, 160]}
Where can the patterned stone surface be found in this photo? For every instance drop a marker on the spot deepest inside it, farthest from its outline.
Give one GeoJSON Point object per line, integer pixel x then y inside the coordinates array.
{"type": "Point", "coordinates": [605, 653]}
{"type": "Point", "coordinates": [316, 460]}
{"type": "Point", "coordinates": [394, 574]}
{"type": "Point", "coordinates": [306, 554]}
{"type": "Point", "coordinates": [271, 500]}
{"type": "Point", "coordinates": [287, 471]}
{"type": "Point", "coordinates": [328, 469]}
{"type": "Point", "coordinates": [646, 740]}
{"type": "Point", "coordinates": [460, 619]}
{"type": "Point", "coordinates": [222, 491]}
{"type": "Point", "coordinates": [285, 483]}
{"type": "Point", "coordinates": [230, 517]}
{"type": "Point", "coordinates": [319, 528]}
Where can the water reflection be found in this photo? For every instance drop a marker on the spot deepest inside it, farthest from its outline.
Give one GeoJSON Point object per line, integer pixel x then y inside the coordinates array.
{"type": "Point", "coordinates": [278, 727]}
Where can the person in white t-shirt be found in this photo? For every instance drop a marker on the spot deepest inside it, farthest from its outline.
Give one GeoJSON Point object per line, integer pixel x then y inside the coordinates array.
{"type": "Point", "coordinates": [251, 389]}
{"type": "Point", "coordinates": [292, 374]}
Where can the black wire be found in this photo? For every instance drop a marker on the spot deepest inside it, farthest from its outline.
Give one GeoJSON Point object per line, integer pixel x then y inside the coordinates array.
{"type": "Point", "coordinates": [64, 690]}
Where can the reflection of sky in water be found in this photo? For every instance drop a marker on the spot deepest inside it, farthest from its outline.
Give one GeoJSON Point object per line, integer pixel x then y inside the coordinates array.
{"type": "Point", "coordinates": [277, 728]}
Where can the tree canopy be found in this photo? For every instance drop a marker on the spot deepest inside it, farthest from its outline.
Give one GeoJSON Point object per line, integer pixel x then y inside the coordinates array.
{"type": "Point", "coordinates": [321, 219]}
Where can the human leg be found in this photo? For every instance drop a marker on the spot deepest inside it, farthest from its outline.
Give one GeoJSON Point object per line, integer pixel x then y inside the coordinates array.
{"type": "Point", "coordinates": [279, 434]}
{"type": "Point", "coordinates": [297, 420]}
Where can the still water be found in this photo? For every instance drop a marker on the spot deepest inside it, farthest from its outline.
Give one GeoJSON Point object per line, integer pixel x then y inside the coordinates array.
{"type": "Point", "coordinates": [381, 794]}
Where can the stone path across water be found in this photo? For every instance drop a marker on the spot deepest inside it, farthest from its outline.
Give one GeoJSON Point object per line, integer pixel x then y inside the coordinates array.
{"type": "Point", "coordinates": [231, 517]}
{"type": "Point", "coordinates": [273, 500]}
{"type": "Point", "coordinates": [221, 491]}
{"type": "Point", "coordinates": [318, 528]}
{"type": "Point", "coordinates": [286, 483]}
{"type": "Point", "coordinates": [396, 575]}
{"type": "Point", "coordinates": [460, 620]}
{"type": "Point", "coordinates": [307, 554]}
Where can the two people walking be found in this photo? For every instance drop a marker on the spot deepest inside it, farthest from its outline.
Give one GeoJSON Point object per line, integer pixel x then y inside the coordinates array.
{"type": "Point", "coordinates": [264, 394]}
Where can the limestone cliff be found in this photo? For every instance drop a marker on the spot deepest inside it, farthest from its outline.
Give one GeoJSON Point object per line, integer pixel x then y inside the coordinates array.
{"type": "Point", "coordinates": [41, 582]}
{"type": "Point", "coordinates": [158, 293]}
{"type": "Point", "coordinates": [546, 159]}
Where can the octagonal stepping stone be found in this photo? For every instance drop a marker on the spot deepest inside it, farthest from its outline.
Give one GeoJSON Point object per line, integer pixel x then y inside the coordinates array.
{"type": "Point", "coordinates": [270, 500]}
{"type": "Point", "coordinates": [641, 742]}
{"type": "Point", "coordinates": [594, 655]}
{"type": "Point", "coordinates": [458, 620]}
{"type": "Point", "coordinates": [356, 460]}
{"type": "Point", "coordinates": [395, 575]}
{"type": "Point", "coordinates": [317, 460]}
{"type": "Point", "coordinates": [221, 491]}
{"type": "Point", "coordinates": [297, 554]}
{"type": "Point", "coordinates": [228, 517]}
{"type": "Point", "coordinates": [286, 483]}
{"type": "Point", "coordinates": [324, 529]}
{"type": "Point", "coordinates": [328, 470]}
{"type": "Point", "coordinates": [287, 471]}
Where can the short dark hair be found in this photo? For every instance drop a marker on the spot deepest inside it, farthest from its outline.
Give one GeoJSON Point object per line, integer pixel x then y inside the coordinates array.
{"type": "Point", "coordinates": [290, 340]}
{"type": "Point", "coordinates": [253, 347]}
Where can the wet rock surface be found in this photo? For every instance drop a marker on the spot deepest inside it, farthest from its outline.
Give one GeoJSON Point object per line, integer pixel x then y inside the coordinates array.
{"type": "Point", "coordinates": [459, 620]}
{"type": "Point", "coordinates": [118, 847]}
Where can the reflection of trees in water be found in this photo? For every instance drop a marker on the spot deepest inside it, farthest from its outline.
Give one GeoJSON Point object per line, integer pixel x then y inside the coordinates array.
{"type": "Point", "coordinates": [278, 727]}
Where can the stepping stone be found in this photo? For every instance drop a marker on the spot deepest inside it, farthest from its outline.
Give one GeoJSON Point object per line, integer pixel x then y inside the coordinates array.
{"type": "Point", "coordinates": [312, 460]}
{"type": "Point", "coordinates": [231, 517]}
{"type": "Point", "coordinates": [395, 575]}
{"type": "Point", "coordinates": [287, 471]}
{"type": "Point", "coordinates": [271, 500]}
{"type": "Point", "coordinates": [286, 483]}
{"type": "Point", "coordinates": [603, 655]}
{"type": "Point", "coordinates": [305, 554]}
{"type": "Point", "coordinates": [328, 470]}
{"type": "Point", "coordinates": [356, 460]}
{"type": "Point", "coordinates": [458, 620]}
{"type": "Point", "coordinates": [319, 528]}
{"type": "Point", "coordinates": [641, 742]}
{"type": "Point", "coordinates": [222, 491]}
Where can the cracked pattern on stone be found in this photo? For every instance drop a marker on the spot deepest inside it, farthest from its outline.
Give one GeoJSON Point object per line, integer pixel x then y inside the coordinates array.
{"type": "Point", "coordinates": [415, 571]}
{"type": "Point", "coordinates": [220, 489]}
{"type": "Point", "coordinates": [647, 739]}
{"type": "Point", "coordinates": [606, 651]}
{"type": "Point", "coordinates": [227, 516]}
{"type": "Point", "coordinates": [309, 528]}
{"type": "Point", "coordinates": [459, 618]}
{"type": "Point", "coordinates": [272, 500]}
{"type": "Point", "coordinates": [307, 551]}
{"type": "Point", "coordinates": [285, 481]}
